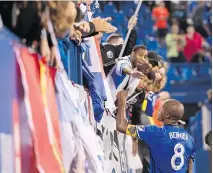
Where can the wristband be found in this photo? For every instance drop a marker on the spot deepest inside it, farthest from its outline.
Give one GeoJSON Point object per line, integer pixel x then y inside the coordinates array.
{"type": "Point", "coordinates": [131, 131]}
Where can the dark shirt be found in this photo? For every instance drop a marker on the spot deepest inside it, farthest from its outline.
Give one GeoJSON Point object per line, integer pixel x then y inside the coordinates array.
{"type": "Point", "coordinates": [28, 22]}
{"type": "Point", "coordinates": [92, 31]}
{"type": "Point", "coordinates": [110, 53]}
{"type": "Point", "coordinates": [136, 109]}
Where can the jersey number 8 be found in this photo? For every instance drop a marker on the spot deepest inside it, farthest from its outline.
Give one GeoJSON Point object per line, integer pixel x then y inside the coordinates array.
{"type": "Point", "coordinates": [179, 153]}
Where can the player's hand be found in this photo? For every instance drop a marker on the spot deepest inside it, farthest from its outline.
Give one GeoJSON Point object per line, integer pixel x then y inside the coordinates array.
{"type": "Point", "coordinates": [121, 97]}
{"type": "Point", "coordinates": [137, 74]}
{"type": "Point", "coordinates": [103, 25]}
{"type": "Point", "coordinates": [143, 67]}
{"type": "Point", "coordinates": [132, 22]}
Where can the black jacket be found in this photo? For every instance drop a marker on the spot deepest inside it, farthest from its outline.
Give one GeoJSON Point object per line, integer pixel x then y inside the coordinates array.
{"type": "Point", "coordinates": [110, 53]}
{"type": "Point", "coordinates": [136, 109]}
{"type": "Point", "coordinates": [28, 24]}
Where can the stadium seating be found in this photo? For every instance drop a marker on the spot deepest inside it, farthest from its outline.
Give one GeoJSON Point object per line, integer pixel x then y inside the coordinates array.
{"type": "Point", "coordinates": [178, 84]}
{"type": "Point", "coordinates": [209, 40]}
{"type": "Point", "coordinates": [185, 86]}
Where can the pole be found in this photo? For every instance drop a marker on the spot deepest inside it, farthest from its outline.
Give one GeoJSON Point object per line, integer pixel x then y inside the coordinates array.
{"type": "Point", "coordinates": [126, 39]}
{"type": "Point", "coordinates": [129, 31]}
{"type": "Point", "coordinates": [120, 55]}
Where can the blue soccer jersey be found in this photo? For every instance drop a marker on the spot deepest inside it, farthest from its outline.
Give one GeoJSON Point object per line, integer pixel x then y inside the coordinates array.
{"type": "Point", "coordinates": [170, 147]}
{"type": "Point", "coordinates": [149, 103]}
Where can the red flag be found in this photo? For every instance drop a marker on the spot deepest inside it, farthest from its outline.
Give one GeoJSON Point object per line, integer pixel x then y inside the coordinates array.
{"type": "Point", "coordinates": [44, 128]}
{"type": "Point", "coordinates": [16, 136]}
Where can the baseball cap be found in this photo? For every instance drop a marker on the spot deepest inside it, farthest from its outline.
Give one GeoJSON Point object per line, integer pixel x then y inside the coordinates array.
{"type": "Point", "coordinates": [154, 58]}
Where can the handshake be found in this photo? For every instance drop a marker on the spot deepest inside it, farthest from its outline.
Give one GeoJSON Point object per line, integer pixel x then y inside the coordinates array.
{"type": "Point", "coordinates": [143, 70]}
{"type": "Point", "coordinates": [136, 74]}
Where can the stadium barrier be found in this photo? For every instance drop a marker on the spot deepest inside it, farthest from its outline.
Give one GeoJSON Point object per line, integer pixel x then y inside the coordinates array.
{"type": "Point", "coordinates": [109, 151]}
{"type": "Point", "coordinates": [69, 140]}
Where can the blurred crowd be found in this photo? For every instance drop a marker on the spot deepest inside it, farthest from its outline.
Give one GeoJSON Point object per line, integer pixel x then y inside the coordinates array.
{"type": "Point", "coordinates": [191, 45]}
{"type": "Point", "coordinates": [40, 25]}
{"type": "Point", "coordinates": [184, 28]}
{"type": "Point", "coordinates": [30, 21]}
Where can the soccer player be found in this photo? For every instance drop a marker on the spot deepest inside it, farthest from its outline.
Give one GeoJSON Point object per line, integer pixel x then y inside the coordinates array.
{"type": "Point", "coordinates": [172, 149]}
{"type": "Point", "coordinates": [208, 139]}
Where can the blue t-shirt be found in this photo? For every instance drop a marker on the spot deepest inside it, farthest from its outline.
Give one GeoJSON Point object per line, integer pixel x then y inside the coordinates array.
{"type": "Point", "coordinates": [149, 103]}
{"type": "Point", "coordinates": [170, 147]}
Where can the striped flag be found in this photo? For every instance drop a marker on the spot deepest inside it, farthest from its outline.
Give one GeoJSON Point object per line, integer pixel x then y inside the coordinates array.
{"type": "Point", "coordinates": [109, 104]}
{"type": "Point", "coordinates": [95, 66]}
{"type": "Point", "coordinates": [95, 63]}
{"type": "Point", "coordinates": [43, 123]}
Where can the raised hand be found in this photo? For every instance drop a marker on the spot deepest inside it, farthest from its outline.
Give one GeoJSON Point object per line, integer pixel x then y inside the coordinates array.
{"type": "Point", "coordinates": [132, 22]}
{"type": "Point", "coordinates": [121, 97]}
{"type": "Point", "coordinates": [103, 25]}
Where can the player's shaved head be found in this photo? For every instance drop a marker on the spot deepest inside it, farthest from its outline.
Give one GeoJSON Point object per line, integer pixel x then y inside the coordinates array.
{"type": "Point", "coordinates": [174, 108]}
{"type": "Point", "coordinates": [171, 111]}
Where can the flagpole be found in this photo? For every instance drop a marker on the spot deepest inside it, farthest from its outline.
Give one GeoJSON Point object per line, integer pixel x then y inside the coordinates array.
{"type": "Point", "coordinates": [129, 30]}
{"type": "Point", "coordinates": [120, 55]}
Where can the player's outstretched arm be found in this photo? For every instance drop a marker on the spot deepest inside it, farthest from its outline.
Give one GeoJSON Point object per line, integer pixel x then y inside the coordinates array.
{"type": "Point", "coordinates": [121, 122]}
{"type": "Point", "coordinates": [190, 166]}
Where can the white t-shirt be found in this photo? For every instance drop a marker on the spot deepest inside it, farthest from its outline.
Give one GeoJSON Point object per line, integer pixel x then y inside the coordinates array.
{"type": "Point", "coordinates": [117, 80]}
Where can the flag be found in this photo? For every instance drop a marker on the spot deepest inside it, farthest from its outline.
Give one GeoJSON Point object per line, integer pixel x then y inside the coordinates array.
{"type": "Point", "coordinates": [42, 125]}
{"type": "Point", "coordinates": [8, 114]}
{"type": "Point", "coordinates": [95, 63]}
{"type": "Point", "coordinates": [93, 57]}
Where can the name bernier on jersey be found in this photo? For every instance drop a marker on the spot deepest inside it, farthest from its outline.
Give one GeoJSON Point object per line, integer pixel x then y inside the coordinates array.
{"type": "Point", "coordinates": [177, 135]}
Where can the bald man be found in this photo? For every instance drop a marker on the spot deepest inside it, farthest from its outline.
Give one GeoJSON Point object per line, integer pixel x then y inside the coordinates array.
{"type": "Point", "coordinates": [172, 149]}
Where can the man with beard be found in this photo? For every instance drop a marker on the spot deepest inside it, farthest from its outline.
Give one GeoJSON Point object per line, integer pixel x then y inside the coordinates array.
{"type": "Point", "coordinates": [130, 69]}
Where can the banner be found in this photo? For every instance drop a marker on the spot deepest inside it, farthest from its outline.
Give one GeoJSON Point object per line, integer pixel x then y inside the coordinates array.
{"type": "Point", "coordinates": [106, 130]}
{"type": "Point", "coordinates": [109, 103]}
{"type": "Point", "coordinates": [93, 61]}
{"type": "Point", "coordinates": [42, 125]}
{"type": "Point", "coordinates": [26, 143]}
{"type": "Point", "coordinates": [96, 65]}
